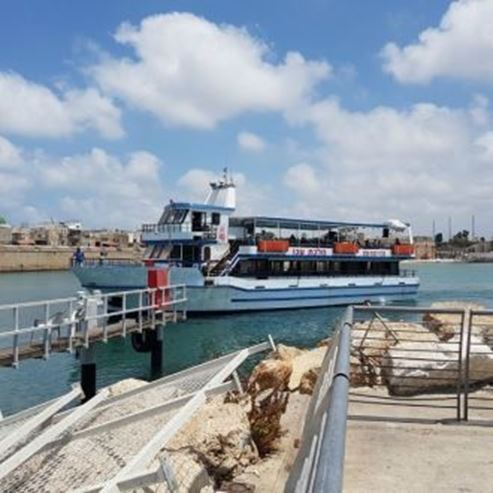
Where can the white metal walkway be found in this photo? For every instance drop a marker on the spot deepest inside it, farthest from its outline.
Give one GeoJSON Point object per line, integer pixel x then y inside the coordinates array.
{"type": "Point", "coordinates": [111, 443]}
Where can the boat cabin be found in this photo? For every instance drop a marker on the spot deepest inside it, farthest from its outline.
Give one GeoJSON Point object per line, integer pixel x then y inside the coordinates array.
{"type": "Point", "coordinates": [206, 236]}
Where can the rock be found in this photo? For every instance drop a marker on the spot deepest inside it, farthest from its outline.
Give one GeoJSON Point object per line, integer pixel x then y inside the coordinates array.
{"type": "Point", "coordinates": [483, 328]}
{"type": "Point", "coordinates": [412, 367]}
{"type": "Point", "coordinates": [124, 386]}
{"type": "Point", "coordinates": [444, 331]}
{"type": "Point", "coordinates": [189, 473]}
{"type": "Point", "coordinates": [270, 374]}
{"type": "Point", "coordinates": [287, 353]}
{"type": "Point", "coordinates": [308, 381]}
{"type": "Point", "coordinates": [270, 473]}
{"type": "Point", "coordinates": [325, 342]}
{"type": "Point", "coordinates": [480, 360]}
{"type": "Point", "coordinates": [447, 326]}
{"type": "Point", "coordinates": [218, 436]}
{"type": "Point", "coordinates": [305, 362]}
{"type": "Point", "coordinates": [369, 344]}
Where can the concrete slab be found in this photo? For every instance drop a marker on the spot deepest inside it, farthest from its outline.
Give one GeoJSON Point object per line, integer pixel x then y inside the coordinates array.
{"type": "Point", "coordinates": [402, 457]}
{"type": "Point", "coordinates": [414, 445]}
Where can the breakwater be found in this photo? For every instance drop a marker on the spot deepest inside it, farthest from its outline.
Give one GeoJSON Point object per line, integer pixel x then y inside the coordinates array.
{"type": "Point", "coordinates": [16, 258]}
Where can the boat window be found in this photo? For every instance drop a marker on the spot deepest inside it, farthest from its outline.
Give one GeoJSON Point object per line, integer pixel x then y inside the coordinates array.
{"type": "Point", "coordinates": [148, 252]}
{"type": "Point", "coordinates": [179, 216]}
{"type": "Point", "coordinates": [216, 218]}
{"type": "Point", "coordinates": [197, 221]}
{"type": "Point", "coordinates": [175, 253]}
{"type": "Point", "coordinates": [164, 219]}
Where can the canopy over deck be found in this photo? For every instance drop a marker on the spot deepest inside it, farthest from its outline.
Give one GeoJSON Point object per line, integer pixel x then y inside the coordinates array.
{"type": "Point", "coordinates": [304, 224]}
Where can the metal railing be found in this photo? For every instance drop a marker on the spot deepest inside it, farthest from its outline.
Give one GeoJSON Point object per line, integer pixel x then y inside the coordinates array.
{"type": "Point", "coordinates": [423, 363]}
{"type": "Point", "coordinates": [410, 351]}
{"type": "Point", "coordinates": [98, 262]}
{"type": "Point", "coordinates": [167, 228]}
{"type": "Point", "coordinates": [320, 460]}
{"type": "Point", "coordinates": [63, 324]}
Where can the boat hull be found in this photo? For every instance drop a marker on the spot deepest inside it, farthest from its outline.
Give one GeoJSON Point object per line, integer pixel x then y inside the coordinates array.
{"type": "Point", "coordinates": [231, 294]}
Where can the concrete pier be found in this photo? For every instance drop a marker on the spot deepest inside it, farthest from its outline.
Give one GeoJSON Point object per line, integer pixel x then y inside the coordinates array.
{"type": "Point", "coordinates": [394, 445]}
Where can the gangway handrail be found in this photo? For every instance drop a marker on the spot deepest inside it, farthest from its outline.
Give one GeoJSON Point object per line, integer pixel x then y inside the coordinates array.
{"type": "Point", "coordinates": [81, 316]}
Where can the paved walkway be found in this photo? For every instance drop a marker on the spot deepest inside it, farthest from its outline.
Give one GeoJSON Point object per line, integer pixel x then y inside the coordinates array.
{"type": "Point", "coordinates": [398, 447]}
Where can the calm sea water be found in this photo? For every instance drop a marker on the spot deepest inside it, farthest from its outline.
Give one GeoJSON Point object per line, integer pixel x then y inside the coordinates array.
{"type": "Point", "coordinates": [199, 339]}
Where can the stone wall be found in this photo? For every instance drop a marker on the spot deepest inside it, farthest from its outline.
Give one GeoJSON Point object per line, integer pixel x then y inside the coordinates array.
{"type": "Point", "coordinates": [15, 258]}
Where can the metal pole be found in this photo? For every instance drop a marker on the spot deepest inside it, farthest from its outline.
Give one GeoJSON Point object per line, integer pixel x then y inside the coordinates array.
{"type": "Point", "coordinates": [88, 371]}
{"type": "Point", "coordinates": [466, 376]}
{"type": "Point", "coordinates": [330, 465]}
{"type": "Point", "coordinates": [459, 377]}
{"type": "Point", "coordinates": [156, 336]}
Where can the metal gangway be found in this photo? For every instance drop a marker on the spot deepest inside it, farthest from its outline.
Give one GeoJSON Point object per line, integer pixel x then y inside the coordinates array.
{"type": "Point", "coordinates": [115, 443]}
{"type": "Point", "coordinates": [38, 329]}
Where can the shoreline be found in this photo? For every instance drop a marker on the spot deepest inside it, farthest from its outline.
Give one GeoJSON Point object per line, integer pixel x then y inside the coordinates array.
{"type": "Point", "coordinates": [39, 258]}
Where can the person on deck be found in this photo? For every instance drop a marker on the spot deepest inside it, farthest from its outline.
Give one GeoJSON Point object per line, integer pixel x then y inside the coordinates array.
{"type": "Point", "coordinates": [78, 257]}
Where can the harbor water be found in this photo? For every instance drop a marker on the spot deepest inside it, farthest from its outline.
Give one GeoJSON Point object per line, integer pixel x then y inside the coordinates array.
{"type": "Point", "coordinates": [199, 339]}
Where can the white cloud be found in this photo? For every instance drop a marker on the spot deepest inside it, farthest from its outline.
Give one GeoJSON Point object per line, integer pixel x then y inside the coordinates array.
{"type": "Point", "coordinates": [302, 179]}
{"type": "Point", "coordinates": [195, 183]}
{"type": "Point", "coordinates": [191, 72]}
{"type": "Point", "coordinates": [33, 110]}
{"type": "Point", "coordinates": [103, 190]}
{"type": "Point", "coordinates": [99, 188]}
{"type": "Point", "coordinates": [250, 142]}
{"type": "Point", "coordinates": [460, 46]}
{"type": "Point", "coordinates": [424, 162]}
{"type": "Point", "coordinates": [10, 155]}
{"type": "Point", "coordinates": [251, 197]}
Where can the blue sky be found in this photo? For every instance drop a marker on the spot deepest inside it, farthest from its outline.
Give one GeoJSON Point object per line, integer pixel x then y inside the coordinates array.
{"type": "Point", "coordinates": [342, 109]}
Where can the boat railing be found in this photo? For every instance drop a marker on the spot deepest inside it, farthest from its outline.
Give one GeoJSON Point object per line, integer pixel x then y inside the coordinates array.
{"type": "Point", "coordinates": [167, 228]}
{"type": "Point", "coordinates": [94, 262]}
{"type": "Point", "coordinates": [268, 274]}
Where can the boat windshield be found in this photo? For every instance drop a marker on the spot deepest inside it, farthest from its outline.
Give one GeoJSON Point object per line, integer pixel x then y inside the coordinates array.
{"type": "Point", "coordinates": [173, 216]}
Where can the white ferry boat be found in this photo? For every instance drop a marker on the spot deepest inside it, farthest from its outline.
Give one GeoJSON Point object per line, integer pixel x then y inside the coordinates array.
{"type": "Point", "coordinates": [233, 264]}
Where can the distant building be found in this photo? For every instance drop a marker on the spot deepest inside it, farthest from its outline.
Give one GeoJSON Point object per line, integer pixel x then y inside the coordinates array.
{"type": "Point", "coordinates": [22, 236]}
{"type": "Point", "coordinates": [117, 239]}
{"type": "Point", "coordinates": [5, 233]}
{"type": "Point", "coordinates": [50, 234]}
{"type": "Point", "coordinates": [425, 248]}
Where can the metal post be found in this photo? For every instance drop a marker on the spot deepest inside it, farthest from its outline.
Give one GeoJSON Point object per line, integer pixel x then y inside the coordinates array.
{"type": "Point", "coordinates": [328, 476]}
{"type": "Point", "coordinates": [15, 360]}
{"type": "Point", "coordinates": [70, 327]}
{"type": "Point", "coordinates": [88, 371]}
{"type": "Point", "coordinates": [124, 310]}
{"type": "Point", "coordinates": [105, 319]}
{"type": "Point", "coordinates": [47, 334]}
{"type": "Point", "coordinates": [460, 363]}
{"type": "Point", "coordinates": [140, 311]}
{"type": "Point", "coordinates": [466, 373]}
{"type": "Point", "coordinates": [156, 337]}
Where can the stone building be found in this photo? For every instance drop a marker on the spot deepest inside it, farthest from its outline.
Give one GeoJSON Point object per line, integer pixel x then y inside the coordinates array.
{"type": "Point", "coordinates": [425, 248]}
{"type": "Point", "coordinates": [5, 233]}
